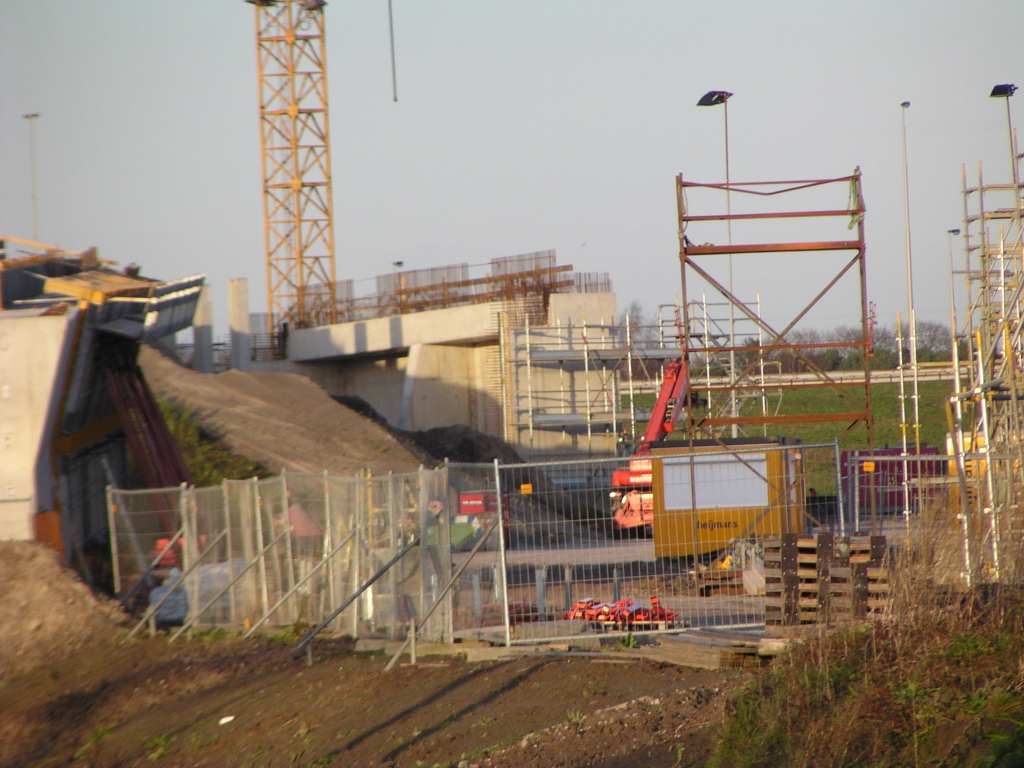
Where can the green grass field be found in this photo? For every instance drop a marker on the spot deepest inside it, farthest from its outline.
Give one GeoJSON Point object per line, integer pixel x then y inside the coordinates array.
{"type": "Point", "coordinates": [885, 406]}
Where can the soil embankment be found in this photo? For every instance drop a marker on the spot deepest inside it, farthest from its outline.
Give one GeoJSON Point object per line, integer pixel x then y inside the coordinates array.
{"type": "Point", "coordinates": [281, 420]}
{"type": "Point", "coordinates": [46, 613]}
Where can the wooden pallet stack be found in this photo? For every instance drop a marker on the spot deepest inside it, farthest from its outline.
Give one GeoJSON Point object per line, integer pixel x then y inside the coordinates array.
{"type": "Point", "coordinates": [823, 579]}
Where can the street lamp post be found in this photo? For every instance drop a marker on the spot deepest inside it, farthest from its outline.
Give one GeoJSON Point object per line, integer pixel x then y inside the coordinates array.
{"type": "Point", "coordinates": [910, 278]}
{"type": "Point", "coordinates": [32, 117]}
{"type": "Point", "coordinates": [711, 99]}
{"type": "Point", "coordinates": [1005, 91]}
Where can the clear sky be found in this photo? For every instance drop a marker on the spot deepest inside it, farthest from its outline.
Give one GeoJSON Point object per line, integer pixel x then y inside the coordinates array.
{"type": "Point", "coordinates": [520, 126]}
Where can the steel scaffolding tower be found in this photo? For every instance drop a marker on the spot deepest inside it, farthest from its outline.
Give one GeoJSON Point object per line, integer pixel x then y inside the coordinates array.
{"type": "Point", "coordinates": [295, 144]}
{"type": "Point", "coordinates": [708, 418]}
{"type": "Point", "coordinates": [988, 438]}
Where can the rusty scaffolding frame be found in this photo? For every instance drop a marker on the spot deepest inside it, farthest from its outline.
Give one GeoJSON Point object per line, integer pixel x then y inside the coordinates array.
{"type": "Point", "coordinates": [702, 418]}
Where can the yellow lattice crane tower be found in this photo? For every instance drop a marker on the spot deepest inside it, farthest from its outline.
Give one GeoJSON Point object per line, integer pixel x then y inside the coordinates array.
{"type": "Point", "coordinates": [295, 143]}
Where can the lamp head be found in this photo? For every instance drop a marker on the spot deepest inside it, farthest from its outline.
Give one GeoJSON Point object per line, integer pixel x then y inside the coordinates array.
{"type": "Point", "coordinates": [905, 104]}
{"type": "Point", "coordinates": [713, 98]}
{"type": "Point", "coordinates": [1005, 90]}
{"type": "Point", "coordinates": [953, 231]}
{"type": "Point", "coordinates": [313, 5]}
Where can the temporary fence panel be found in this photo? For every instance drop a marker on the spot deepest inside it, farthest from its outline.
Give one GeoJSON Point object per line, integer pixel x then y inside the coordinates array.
{"type": "Point", "coordinates": [290, 549]}
{"type": "Point", "coordinates": [478, 600]}
{"type": "Point", "coordinates": [145, 548]}
{"type": "Point", "coordinates": [432, 506]}
{"type": "Point", "coordinates": [889, 482]}
{"type": "Point", "coordinates": [573, 571]}
{"type": "Point", "coordinates": [286, 550]}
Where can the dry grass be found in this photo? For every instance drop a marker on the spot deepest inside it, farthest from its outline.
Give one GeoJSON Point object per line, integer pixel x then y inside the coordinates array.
{"type": "Point", "coordinates": [928, 686]}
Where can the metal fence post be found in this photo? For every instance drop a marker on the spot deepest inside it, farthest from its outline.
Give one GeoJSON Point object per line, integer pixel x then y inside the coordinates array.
{"type": "Point", "coordinates": [839, 489]}
{"type": "Point", "coordinates": [542, 590]}
{"type": "Point", "coordinates": [257, 504]}
{"type": "Point", "coordinates": [354, 567]}
{"type": "Point", "coordinates": [444, 533]}
{"type": "Point", "coordinates": [394, 520]}
{"type": "Point", "coordinates": [328, 539]}
{"type": "Point", "coordinates": [112, 526]}
{"type": "Point", "coordinates": [567, 580]}
{"type": "Point", "coordinates": [856, 491]}
{"type": "Point", "coordinates": [231, 552]}
{"type": "Point", "coordinates": [501, 554]}
{"type": "Point", "coordinates": [287, 522]}
{"type": "Point", "coordinates": [422, 499]}
{"type": "Point", "coordinates": [191, 586]}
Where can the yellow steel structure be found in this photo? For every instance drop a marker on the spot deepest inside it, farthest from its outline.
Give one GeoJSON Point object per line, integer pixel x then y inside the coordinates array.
{"type": "Point", "coordinates": [295, 144]}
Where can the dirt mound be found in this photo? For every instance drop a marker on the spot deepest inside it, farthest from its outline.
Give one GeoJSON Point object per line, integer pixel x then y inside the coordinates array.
{"type": "Point", "coordinates": [281, 420]}
{"type": "Point", "coordinates": [46, 612]}
{"type": "Point", "coordinates": [463, 444]}
{"type": "Point", "coordinates": [669, 730]}
{"type": "Point", "coordinates": [458, 443]}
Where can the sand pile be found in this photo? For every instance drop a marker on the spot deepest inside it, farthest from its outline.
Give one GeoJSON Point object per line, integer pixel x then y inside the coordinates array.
{"type": "Point", "coordinates": [281, 420]}
{"type": "Point", "coordinates": [46, 612]}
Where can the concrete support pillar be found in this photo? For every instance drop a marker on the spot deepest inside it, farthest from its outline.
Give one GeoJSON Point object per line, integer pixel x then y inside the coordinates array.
{"type": "Point", "coordinates": [202, 332]}
{"type": "Point", "coordinates": [412, 371]}
{"type": "Point", "coordinates": [238, 316]}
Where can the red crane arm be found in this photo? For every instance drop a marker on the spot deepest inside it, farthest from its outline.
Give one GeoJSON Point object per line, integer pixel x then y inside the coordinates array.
{"type": "Point", "coordinates": [667, 407]}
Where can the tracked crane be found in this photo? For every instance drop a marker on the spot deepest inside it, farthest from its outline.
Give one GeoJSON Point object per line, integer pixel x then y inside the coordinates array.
{"type": "Point", "coordinates": [632, 495]}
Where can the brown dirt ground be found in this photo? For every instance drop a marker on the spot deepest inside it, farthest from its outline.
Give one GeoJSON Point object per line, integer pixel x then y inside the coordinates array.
{"type": "Point", "coordinates": [71, 690]}
{"type": "Point", "coordinates": [149, 703]}
{"type": "Point", "coordinates": [281, 420]}
{"type": "Point", "coordinates": [46, 613]}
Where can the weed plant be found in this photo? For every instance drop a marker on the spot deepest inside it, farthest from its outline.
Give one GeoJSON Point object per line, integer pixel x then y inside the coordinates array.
{"type": "Point", "coordinates": [208, 458]}
{"type": "Point", "coordinates": [938, 682]}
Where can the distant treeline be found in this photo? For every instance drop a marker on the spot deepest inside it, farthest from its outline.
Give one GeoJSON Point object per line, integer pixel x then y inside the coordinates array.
{"type": "Point", "coordinates": [933, 345]}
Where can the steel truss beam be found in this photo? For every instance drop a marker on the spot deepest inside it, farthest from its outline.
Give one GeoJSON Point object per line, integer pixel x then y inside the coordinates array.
{"type": "Point", "coordinates": [295, 146]}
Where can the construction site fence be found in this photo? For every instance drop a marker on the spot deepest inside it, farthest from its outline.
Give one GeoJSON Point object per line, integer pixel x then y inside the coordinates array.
{"type": "Point", "coordinates": [285, 551]}
{"type": "Point", "coordinates": [573, 574]}
{"type": "Point", "coordinates": [262, 555]}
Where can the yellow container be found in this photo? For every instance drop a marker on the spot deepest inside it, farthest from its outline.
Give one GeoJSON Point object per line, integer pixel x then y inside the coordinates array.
{"type": "Point", "coordinates": [706, 500]}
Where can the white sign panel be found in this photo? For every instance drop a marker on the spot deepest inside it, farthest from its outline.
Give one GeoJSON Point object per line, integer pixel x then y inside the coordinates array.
{"type": "Point", "coordinates": [720, 482]}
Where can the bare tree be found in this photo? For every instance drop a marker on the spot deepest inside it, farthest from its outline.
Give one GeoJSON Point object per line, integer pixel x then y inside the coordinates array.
{"type": "Point", "coordinates": [642, 326]}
